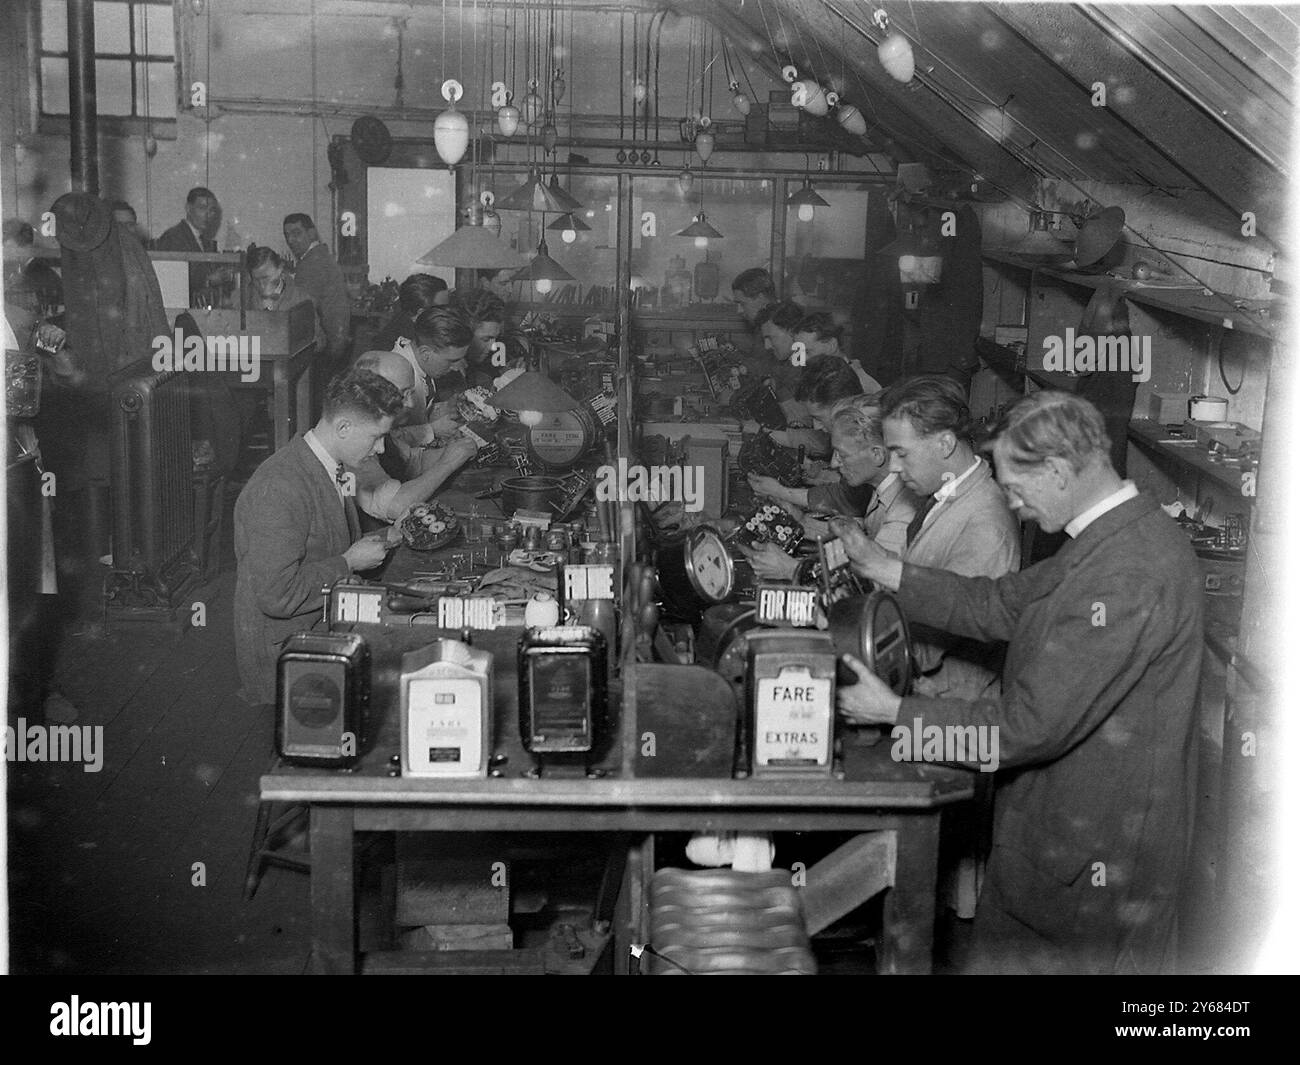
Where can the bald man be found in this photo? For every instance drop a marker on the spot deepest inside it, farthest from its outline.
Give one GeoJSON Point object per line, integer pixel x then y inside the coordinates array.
{"type": "Point", "coordinates": [384, 497]}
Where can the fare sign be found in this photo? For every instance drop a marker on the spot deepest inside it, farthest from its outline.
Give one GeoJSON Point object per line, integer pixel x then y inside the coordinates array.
{"type": "Point", "coordinates": [793, 720]}
{"type": "Point", "coordinates": [445, 728]}
{"type": "Point", "coordinates": [781, 604]}
{"type": "Point", "coordinates": [467, 612]}
{"type": "Point", "coordinates": [355, 605]}
{"type": "Point", "coordinates": [588, 582]}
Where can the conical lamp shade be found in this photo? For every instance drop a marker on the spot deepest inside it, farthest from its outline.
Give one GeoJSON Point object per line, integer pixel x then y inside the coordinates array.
{"type": "Point", "coordinates": [532, 195]}
{"type": "Point", "coordinates": [569, 221]}
{"type": "Point", "coordinates": [472, 248]}
{"type": "Point", "coordinates": [542, 268]}
{"type": "Point", "coordinates": [806, 197]}
{"type": "Point", "coordinates": [570, 204]}
{"type": "Point", "coordinates": [700, 228]}
{"type": "Point", "coordinates": [534, 391]}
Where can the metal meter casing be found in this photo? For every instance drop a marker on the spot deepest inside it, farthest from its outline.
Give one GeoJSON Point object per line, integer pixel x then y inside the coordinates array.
{"type": "Point", "coordinates": [446, 710]}
{"type": "Point", "coordinates": [322, 698]}
{"type": "Point", "coordinates": [790, 696]}
{"type": "Point", "coordinates": [872, 628]}
{"type": "Point", "coordinates": [563, 697]}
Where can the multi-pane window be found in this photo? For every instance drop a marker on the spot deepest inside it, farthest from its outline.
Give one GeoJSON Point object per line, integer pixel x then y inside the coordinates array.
{"type": "Point", "coordinates": [135, 58]}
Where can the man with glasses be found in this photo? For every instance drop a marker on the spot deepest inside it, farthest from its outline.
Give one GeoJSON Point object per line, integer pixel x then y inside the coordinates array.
{"type": "Point", "coordinates": [1096, 721]}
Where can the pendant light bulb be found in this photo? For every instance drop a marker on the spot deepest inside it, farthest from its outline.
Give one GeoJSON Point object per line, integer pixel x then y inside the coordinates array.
{"type": "Point", "coordinates": [741, 103]}
{"type": "Point", "coordinates": [451, 136]}
{"type": "Point", "coordinates": [806, 212]}
{"type": "Point", "coordinates": [809, 96]}
{"type": "Point", "coordinates": [532, 105]}
{"type": "Point", "coordinates": [704, 144]}
{"type": "Point", "coordinates": [568, 235]}
{"type": "Point", "coordinates": [851, 119]}
{"type": "Point", "coordinates": [896, 57]}
{"type": "Point", "coordinates": [543, 285]}
{"type": "Point", "coordinates": [550, 137]}
{"type": "Point", "coordinates": [508, 120]}
{"type": "Point", "coordinates": [701, 242]}
{"type": "Point", "coordinates": [451, 128]}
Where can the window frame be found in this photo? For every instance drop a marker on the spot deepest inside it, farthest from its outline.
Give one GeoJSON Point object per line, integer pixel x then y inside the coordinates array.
{"type": "Point", "coordinates": [163, 128]}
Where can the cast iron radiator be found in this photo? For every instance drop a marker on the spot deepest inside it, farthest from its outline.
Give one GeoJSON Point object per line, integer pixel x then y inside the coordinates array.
{"type": "Point", "coordinates": [154, 560]}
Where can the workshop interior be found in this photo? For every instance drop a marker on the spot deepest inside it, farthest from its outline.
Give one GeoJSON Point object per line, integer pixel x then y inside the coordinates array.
{"type": "Point", "coordinates": [644, 487]}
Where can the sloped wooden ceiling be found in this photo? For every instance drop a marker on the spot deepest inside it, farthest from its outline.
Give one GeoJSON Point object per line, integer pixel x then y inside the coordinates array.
{"type": "Point", "coordinates": [1197, 98]}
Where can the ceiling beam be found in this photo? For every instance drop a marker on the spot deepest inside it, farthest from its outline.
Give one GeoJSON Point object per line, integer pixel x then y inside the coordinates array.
{"type": "Point", "coordinates": [1151, 51]}
{"type": "Point", "coordinates": [1158, 115]}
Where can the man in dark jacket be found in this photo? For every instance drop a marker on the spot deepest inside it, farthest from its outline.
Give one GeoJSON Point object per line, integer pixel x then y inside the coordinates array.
{"type": "Point", "coordinates": [317, 274]}
{"type": "Point", "coordinates": [195, 233]}
{"type": "Point", "coordinates": [1095, 730]}
{"type": "Point", "coordinates": [297, 528]}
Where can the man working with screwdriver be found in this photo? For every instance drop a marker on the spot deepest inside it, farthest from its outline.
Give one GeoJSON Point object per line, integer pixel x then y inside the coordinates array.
{"type": "Point", "coordinates": [1095, 723]}
{"type": "Point", "coordinates": [297, 529]}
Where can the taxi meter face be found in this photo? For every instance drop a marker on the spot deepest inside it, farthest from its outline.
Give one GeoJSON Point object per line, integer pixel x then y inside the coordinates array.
{"type": "Point", "coordinates": [872, 628]}
{"type": "Point", "coordinates": [790, 689]}
{"type": "Point", "coordinates": [695, 573]}
{"type": "Point", "coordinates": [446, 710]}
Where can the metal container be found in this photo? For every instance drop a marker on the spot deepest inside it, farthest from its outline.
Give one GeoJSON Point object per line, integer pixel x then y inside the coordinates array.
{"type": "Point", "coordinates": [536, 492]}
{"type": "Point", "coordinates": [1207, 409]}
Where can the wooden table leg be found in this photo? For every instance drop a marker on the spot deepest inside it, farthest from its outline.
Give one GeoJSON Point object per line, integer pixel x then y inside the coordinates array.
{"type": "Point", "coordinates": [907, 942]}
{"type": "Point", "coordinates": [333, 891]}
{"type": "Point", "coordinates": [304, 377]}
{"type": "Point", "coordinates": [631, 913]}
{"type": "Point", "coordinates": [281, 408]}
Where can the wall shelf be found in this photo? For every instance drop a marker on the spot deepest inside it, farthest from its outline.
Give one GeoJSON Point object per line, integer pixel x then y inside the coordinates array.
{"type": "Point", "coordinates": [1215, 308]}
{"type": "Point", "coordinates": [1153, 438]}
{"type": "Point", "coordinates": [1007, 361]}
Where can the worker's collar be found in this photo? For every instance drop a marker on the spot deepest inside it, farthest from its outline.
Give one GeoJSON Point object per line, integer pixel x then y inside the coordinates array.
{"type": "Point", "coordinates": [1077, 524]}
{"type": "Point", "coordinates": [948, 488]}
{"type": "Point", "coordinates": [327, 460]}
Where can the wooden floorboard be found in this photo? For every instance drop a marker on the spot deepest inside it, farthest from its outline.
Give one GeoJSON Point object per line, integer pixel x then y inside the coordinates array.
{"type": "Point", "coordinates": [102, 864]}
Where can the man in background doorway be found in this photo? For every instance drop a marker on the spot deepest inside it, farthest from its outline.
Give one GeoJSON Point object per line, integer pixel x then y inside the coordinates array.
{"type": "Point", "coordinates": [318, 275]}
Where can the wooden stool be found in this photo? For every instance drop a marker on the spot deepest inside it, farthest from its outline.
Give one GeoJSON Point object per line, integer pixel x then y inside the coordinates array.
{"type": "Point", "coordinates": [268, 845]}
{"type": "Point", "coordinates": [719, 921]}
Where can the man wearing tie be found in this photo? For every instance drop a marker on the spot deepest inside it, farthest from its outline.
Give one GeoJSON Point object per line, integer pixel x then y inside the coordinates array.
{"type": "Point", "coordinates": [442, 339]}
{"type": "Point", "coordinates": [195, 234]}
{"type": "Point", "coordinates": [296, 525]}
{"type": "Point", "coordinates": [962, 525]}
